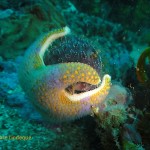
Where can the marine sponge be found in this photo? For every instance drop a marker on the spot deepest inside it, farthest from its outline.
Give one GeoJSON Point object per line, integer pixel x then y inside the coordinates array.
{"type": "Point", "coordinates": [46, 85]}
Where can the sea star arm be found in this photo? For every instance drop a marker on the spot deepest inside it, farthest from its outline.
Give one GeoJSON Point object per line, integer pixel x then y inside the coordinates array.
{"type": "Point", "coordinates": [45, 85]}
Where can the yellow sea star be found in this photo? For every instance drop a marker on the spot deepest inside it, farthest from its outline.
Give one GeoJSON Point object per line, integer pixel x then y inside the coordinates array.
{"type": "Point", "coordinates": [45, 85]}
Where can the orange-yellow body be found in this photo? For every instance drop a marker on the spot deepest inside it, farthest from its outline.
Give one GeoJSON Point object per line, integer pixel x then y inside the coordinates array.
{"type": "Point", "coordinates": [45, 85]}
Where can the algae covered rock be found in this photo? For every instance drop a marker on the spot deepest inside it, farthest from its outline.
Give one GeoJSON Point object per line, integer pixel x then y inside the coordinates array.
{"type": "Point", "coordinates": [22, 27]}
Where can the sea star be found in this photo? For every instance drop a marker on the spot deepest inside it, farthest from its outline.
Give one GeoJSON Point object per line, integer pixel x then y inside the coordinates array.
{"type": "Point", "coordinates": [46, 85]}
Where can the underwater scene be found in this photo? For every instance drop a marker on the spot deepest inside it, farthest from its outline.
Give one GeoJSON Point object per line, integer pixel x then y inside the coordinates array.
{"type": "Point", "coordinates": [74, 75]}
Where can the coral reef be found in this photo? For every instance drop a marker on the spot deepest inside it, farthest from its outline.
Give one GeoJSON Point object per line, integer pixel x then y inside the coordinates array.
{"type": "Point", "coordinates": [25, 25]}
{"type": "Point", "coordinates": [112, 120]}
{"type": "Point", "coordinates": [11, 93]}
{"type": "Point", "coordinates": [11, 127]}
{"type": "Point", "coordinates": [111, 116]}
{"type": "Point", "coordinates": [19, 133]}
{"type": "Point", "coordinates": [139, 86]}
{"type": "Point", "coordinates": [124, 11]}
{"type": "Point", "coordinates": [117, 32]}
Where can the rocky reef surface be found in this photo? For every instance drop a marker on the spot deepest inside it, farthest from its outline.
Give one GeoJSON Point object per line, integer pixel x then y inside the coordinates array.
{"type": "Point", "coordinates": [117, 42]}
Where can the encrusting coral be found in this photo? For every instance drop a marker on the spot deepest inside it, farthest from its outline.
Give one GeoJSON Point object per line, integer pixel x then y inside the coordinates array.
{"type": "Point", "coordinates": [25, 23]}
{"type": "Point", "coordinates": [115, 129]}
{"type": "Point", "coordinates": [48, 86]}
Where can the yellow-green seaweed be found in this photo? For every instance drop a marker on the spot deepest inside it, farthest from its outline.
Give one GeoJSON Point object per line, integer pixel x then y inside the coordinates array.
{"type": "Point", "coordinates": [141, 70]}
